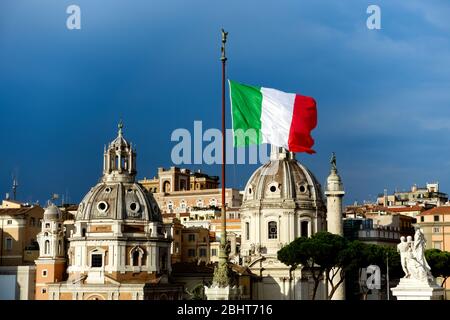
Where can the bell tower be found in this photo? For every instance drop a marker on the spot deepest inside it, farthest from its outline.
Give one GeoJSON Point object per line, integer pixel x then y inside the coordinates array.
{"type": "Point", "coordinates": [51, 264]}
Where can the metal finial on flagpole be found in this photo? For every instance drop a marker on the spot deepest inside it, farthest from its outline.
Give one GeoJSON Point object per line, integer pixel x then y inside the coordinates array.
{"type": "Point", "coordinates": [224, 41]}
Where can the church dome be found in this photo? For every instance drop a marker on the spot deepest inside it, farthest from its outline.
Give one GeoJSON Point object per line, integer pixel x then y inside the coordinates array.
{"type": "Point", "coordinates": [118, 196]}
{"type": "Point", "coordinates": [52, 213]}
{"type": "Point", "coordinates": [119, 201]}
{"type": "Point", "coordinates": [283, 178]}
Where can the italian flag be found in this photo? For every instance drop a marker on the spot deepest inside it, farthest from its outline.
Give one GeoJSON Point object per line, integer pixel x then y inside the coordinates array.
{"type": "Point", "coordinates": [278, 118]}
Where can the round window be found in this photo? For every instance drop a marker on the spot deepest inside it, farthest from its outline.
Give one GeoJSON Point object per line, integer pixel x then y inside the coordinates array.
{"type": "Point", "coordinates": [102, 206]}
{"type": "Point", "coordinates": [302, 189]}
{"type": "Point", "coordinates": [134, 206]}
{"type": "Point", "coordinates": [108, 190]}
{"type": "Point", "coordinates": [273, 189]}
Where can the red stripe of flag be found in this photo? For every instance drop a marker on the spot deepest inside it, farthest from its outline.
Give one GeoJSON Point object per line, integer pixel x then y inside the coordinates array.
{"type": "Point", "coordinates": [304, 120]}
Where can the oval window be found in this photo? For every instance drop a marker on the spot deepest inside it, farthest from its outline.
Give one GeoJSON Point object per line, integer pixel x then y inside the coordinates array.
{"type": "Point", "coordinates": [302, 189]}
{"type": "Point", "coordinates": [134, 206]}
{"type": "Point", "coordinates": [102, 206]}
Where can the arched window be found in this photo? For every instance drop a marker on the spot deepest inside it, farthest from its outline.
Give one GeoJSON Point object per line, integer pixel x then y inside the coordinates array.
{"type": "Point", "coordinates": [247, 231]}
{"type": "Point", "coordinates": [47, 247]}
{"type": "Point", "coordinates": [116, 163]}
{"type": "Point", "coordinates": [136, 258]}
{"type": "Point", "coordinates": [304, 229]}
{"type": "Point", "coordinates": [59, 247]}
{"type": "Point", "coordinates": [166, 186]}
{"type": "Point", "coordinates": [272, 230]}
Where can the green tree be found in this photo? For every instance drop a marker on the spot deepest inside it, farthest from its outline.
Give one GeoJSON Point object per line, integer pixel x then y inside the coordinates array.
{"type": "Point", "coordinates": [318, 255]}
{"type": "Point", "coordinates": [439, 262]}
{"type": "Point", "coordinates": [327, 255]}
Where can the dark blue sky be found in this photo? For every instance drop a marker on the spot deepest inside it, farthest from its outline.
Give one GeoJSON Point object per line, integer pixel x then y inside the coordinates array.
{"type": "Point", "coordinates": [383, 96]}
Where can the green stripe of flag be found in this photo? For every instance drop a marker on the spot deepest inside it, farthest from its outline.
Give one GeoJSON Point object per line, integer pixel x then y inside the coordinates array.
{"type": "Point", "coordinates": [246, 106]}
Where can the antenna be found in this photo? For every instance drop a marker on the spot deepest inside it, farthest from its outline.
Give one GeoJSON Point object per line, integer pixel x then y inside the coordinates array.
{"type": "Point", "coordinates": [14, 187]}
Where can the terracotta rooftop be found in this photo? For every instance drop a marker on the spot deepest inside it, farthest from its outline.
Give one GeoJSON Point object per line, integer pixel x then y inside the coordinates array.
{"type": "Point", "coordinates": [436, 211]}
{"type": "Point", "coordinates": [407, 209]}
{"type": "Point", "coordinates": [16, 211]}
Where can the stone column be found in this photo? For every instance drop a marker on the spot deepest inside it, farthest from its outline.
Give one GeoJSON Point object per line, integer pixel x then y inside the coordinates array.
{"type": "Point", "coordinates": [335, 193]}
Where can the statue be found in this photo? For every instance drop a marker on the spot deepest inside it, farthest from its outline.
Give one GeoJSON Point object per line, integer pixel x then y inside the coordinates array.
{"type": "Point", "coordinates": [418, 282]}
{"type": "Point", "coordinates": [252, 249]}
{"type": "Point", "coordinates": [333, 162]}
{"type": "Point", "coordinates": [412, 255]}
{"type": "Point", "coordinates": [403, 249]}
{"type": "Point", "coordinates": [419, 255]}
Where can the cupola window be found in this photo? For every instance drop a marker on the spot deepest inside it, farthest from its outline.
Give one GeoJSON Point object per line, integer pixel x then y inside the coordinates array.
{"type": "Point", "coordinates": [102, 206]}
{"type": "Point", "coordinates": [134, 206]}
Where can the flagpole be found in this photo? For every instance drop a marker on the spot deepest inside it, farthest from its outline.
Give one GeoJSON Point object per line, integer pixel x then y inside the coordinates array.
{"type": "Point", "coordinates": [221, 274]}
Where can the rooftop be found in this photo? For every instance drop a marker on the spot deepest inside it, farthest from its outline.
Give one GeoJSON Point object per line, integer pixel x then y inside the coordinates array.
{"type": "Point", "coordinates": [443, 210]}
{"type": "Point", "coordinates": [16, 211]}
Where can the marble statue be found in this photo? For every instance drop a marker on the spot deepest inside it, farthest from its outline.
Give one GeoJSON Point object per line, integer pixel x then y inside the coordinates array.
{"type": "Point", "coordinates": [412, 257]}
{"type": "Point", "coordinates": [403, 250]}
{"type": "Point", "coordinates": [418, 282]}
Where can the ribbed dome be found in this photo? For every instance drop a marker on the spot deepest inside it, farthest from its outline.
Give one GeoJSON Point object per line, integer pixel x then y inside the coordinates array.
{"type": "Point", "coordinates": [52, 212]}
{"type": "Point", "coordinates": [283, 178]}
{"type": "Point", "coordinates": [119, 201]}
